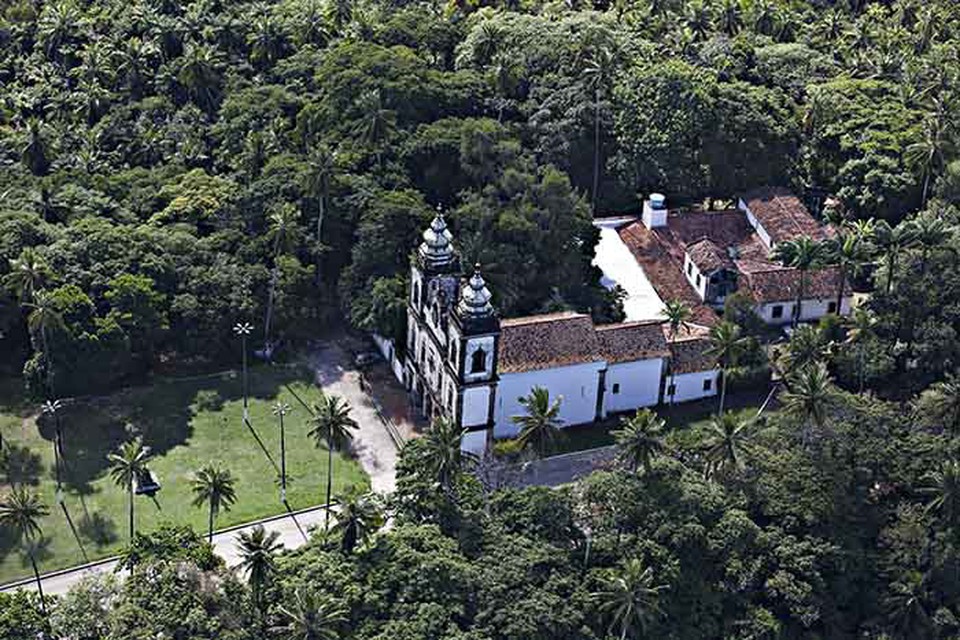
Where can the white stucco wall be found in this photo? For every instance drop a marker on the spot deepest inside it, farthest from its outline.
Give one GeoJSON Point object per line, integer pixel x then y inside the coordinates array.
{"type": "Point", "coordinates": [812, 309]}
{"type": "Point", "coordinates": [577, 384]}
{"type": "Point", "coordinates": [474, 442]}
{"type": "Point", "coordinates": [385, 346]}
{"type": "Point", "coordinates": [476, 402]}
{"type": "Point", "coordinates": [689, 386]}
{"type": "Point", "coordinates": [752, 219]}
{"type": "Point", "coordinates": [691, 272]}
{"type": "Point", "coordinates": [639, 385]}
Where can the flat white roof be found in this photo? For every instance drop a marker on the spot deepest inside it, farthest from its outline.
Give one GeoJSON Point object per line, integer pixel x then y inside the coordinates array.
{"type": "Point", "coordinates": [619, 267]}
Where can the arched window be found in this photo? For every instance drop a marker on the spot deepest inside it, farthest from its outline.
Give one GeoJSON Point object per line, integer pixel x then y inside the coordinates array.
{"type": "Point", "coordinates": [436, 314]}
{"type": "Point", "coordinates": [478, 361]}
{"type": "Point", "coordinates": [416, 293]}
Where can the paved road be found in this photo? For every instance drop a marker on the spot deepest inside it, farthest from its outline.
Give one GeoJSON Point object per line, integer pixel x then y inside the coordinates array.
{"type": "Point", "coordinates": [372, 444]}
{"type": "Point", "coordinates": [224, 543]}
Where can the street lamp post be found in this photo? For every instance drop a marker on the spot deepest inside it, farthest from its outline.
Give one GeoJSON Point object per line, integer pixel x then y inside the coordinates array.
{"type": "Point", "coordinates": [280, 409]}
{"type": "Point", "coordinates": [243, 330]}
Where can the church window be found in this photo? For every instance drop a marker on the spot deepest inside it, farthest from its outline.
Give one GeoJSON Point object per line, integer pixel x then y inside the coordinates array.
{"type": "Point", "coordinates": [416, 293]}
{"type": "Point", "coordinates": [698, 279]}
{"type": "Point", "coordinates": [478, 362]}
{"type": "Point", "coordinates": [436, 314]}
{"type": "Point", "coordinates": [689, 268]}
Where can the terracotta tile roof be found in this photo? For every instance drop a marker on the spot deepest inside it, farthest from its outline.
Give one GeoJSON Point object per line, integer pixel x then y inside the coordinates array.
{"type": "Point", "coordinates": [661, 258]}
{"type": "Point", "coordinates": [708, 256]}
{"type": "Point", "coordinates": [631, 341]}
{"type": "Point", "coordinates": [688, 349]}
{"type": "Point", "coordinates": [546, 341]}
{"type": "Point", "coordinates": [782, 214]}
{"type": "Point", "coordinates": [780, 284]}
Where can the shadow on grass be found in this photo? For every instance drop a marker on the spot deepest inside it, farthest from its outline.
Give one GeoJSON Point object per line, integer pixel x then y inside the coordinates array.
{"type": "Point", "coordinates": [160, 414]}
{"type": "Point", "coordinates": [99, 529]}
{"type": "Point", "coordinates": [20, 466]}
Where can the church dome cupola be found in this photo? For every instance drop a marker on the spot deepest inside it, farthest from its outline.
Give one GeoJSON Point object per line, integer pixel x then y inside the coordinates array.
{"type": "Point", "coordinates": [436, 252]}
{"type": "Point", "coordinates": [475, 298]}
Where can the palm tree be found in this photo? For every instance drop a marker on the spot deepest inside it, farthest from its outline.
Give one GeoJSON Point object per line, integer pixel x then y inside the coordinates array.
{"type": "Point", "coordinates": [443, 452]}
{"type": "Point", "coordinates": [941, 403]}
{"type": "Point", "coordinates": [312, 617]}
{"type": "Point", "coordinates": [43, 319]}
{"type": "Point", "coordinates": [930, 232]}
{"type": "Point", "coordinates": [376, 122]}
{"type": "Point", "coordinates": [257, 548]}
{"type": "Point", "coordinates": [848, 253]}
{"type": "Point", "coordinates": [595, 73]}
{"type": "Point", "coordinates": [726, 345]}
{"type": "Point", "coordinates": [282, 224]}
{"type": "Point", "coordinates": [316, 183]}
{"type": "Point", "coordinates": [332, 427]}
{"type": "Point", "coordinates": [809, 397]}
{"type": "Point", "coordinates": [926, 155]}
{"type": "Point", "coordinates": [698, 20]}
{"type": "Point", "coordinates": [540, 426]}
{"type": "Point", "coordinates": [200, 75]}
{"type": "Point", "coordinates": [676, 313]}
{"type": "Point", "coordinates": [943, 489]}
{"type": "Point", "coordinates": [126, 466]}
{"type": "Point", "coordinates": [640, 439]}
{"type": "Point", "coordinates": [727, 444]}
{"type": "Point", "coordinates": [731, 19]}
{"type": "Point", "coordinates": [808, 346]}
{"type": "Point", "coordinates": [631, 598]}
{"type": "Point", "coordinates": [21, 511]}
{"type": "Point", "coordinates": [859, 329]}
{"type": "Point", "coordinates": [803, 254]}
{"type": "Point", "coordinates": [213, 486]}
{"type": "Point", "coordinates": [905, 606]}
{"type": "Point", "coordinates": [359, 517]}
{"type": "Point", "coordinates": [28, 273]}
{"type": "Point", "coordinates": [892, 240]}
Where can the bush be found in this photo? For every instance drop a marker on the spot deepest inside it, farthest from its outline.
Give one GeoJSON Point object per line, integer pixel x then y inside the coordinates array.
{"type": "Point", "coordinates": [208, 400]}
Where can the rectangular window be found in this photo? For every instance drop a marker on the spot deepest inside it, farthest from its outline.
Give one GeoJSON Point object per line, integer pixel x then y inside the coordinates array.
{"type": "Point", "coordinates": [832, 307]}
{"type": "Point", "coordinates": [689, 268]}
{"type": "Point", "coordinates": [616, 387]}
{"type": "Point", "coordinates": [777, 311]}
{"type": "Point", "coordinates": [707, 384]}
{"type": "Point", "coordinates": [672, 390]}
{"type": "Point", "coordinates": [698, 280]}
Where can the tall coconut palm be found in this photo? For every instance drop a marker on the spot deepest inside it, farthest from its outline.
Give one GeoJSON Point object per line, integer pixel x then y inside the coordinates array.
{"type": "Point", "coordinates": [731, 18]}
{"type": "Point", "coordinates": [630, 599]}
{"type": "Point", "coordinates": [926, 155]}
{"type": "Point", "coordinates": [596, 74]}
{"type": "Point", "coordinates": [359, 517]}
{"type": "Point", "coordinates": [807, 346]}
{"type": "Point", "coordinates": [727, 444]}
{"type": "Point", "coordinates": [810, 396]}
{"type": "Point", "coordinates": [215, 487]}
{"type": "Point", "coordinates": [126, 466]}
{"type": "Point", "coordinates": [540, 425]}
{"type": "Point", "coordinates": [891, 241]}
{"type": "Point", "coordinates": [726, 346]}
{"type": "Point", "coordinates": [257, 549]}
{"type": "Point", "coordinates": [332, 429]}
{"type": "Point", "coordinates": [940, 404]}
{"type": "Point", "coordinates": [930, 232]}
{"type": "Point", "coordinates": [443, 452]}
{"type": "Point", "coordinates": [676, 313]}
{"type": "Point", "coordinates": [803, 254]}
{"type": "Point", "coordinates": [283, 221]}
{"type": "Point", "coordinates": [376, 122]}
{"type": "Point", "coordinates": [848, 252]}
{"type": "Point", "coordinates": [21, 511]}
{"type": "Point", "coordinates": [311, 616]}
{"type": "Point", "coordinates": [199, 73]}
{"type": "Point", "coordinates": [316, 183]}
{"type": "Point", "coordinates": [43, 319]}
{"type": "Point", "coordinates": [28, 273]}
{"type": "Point", "coordinates": [943, 490]}
{"type": "Point", "coordinates": [640, 439]}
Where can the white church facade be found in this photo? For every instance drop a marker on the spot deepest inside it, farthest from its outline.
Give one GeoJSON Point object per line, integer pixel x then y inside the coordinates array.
{"type": "Point", "coordinates": [465, 363]}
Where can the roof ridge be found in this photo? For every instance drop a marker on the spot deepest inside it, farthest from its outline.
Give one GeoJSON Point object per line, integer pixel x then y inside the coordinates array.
{"type": "Point", "coordinates": [543, 317]}
{"type": "Point", "coordinates": [629, 324]}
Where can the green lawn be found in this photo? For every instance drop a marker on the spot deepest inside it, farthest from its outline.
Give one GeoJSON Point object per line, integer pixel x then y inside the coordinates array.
{"type": "Point", "coordinates": [183, 437]}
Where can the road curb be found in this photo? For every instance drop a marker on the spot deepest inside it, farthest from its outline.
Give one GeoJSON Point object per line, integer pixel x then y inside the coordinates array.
{"type": "Point", "coordinates": [10, 586]}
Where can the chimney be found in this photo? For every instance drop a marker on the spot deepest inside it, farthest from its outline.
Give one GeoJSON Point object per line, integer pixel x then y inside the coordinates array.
{"type": "Point", "coordinates": [655, 211]}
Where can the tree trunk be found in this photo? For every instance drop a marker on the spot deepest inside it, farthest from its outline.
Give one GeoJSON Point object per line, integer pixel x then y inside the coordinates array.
{"type": "Point", "coordinates": [210, 524]}
{"type": "Point", "coordinates": [274, 276]}
{"type": "Point", "coordinates": [843, 282]}
{"type": "Point", "coordinates": [36, 574]}
{"type": "Point", "coordinates": [723, 389]}
{"type": "Point", "coordinates": [320, 213]}
{"type": "Point", "coordinates": [46, 361]}
{"type": "Point", "coordinates": [596, 150]}
{"type": "Point", "coordinates": [891, 257]}
{"type": "Point", "coordinates": [130, 507]}
{"type": "Point", "coordinates": [326, 515]}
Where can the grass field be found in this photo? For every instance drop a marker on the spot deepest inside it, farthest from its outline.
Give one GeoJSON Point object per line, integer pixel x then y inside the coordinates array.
{"type": "Point", "coordinates": [184, 435]}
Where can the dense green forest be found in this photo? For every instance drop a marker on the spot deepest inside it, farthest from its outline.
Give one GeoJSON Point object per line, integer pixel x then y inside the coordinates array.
{"type": "Point", "coordinates": [168, 168]}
